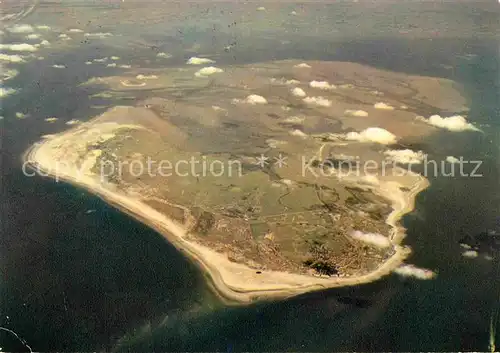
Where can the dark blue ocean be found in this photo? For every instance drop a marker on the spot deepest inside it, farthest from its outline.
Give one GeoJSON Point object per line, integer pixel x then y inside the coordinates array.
{"type": "Point", "coordinates": [78, 275]}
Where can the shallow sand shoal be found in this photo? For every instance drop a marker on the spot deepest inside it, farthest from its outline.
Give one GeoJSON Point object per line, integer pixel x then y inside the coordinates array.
{"type": "Point", "coordinates": [232, 281]}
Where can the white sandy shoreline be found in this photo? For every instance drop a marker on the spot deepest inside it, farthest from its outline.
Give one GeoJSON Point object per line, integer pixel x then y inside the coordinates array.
{"type": "Point", "coordinates": [235, 283]}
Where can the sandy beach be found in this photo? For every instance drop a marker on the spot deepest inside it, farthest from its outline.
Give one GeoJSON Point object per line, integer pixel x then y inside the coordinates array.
{"type": "Point", "coordinates": [240, 176]}
{"type": "Point", "coordinates": [235, 283]}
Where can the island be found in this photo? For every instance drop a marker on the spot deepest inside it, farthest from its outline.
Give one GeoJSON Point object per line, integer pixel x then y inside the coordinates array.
{"type": "Point", "coordinates": [276, 178]}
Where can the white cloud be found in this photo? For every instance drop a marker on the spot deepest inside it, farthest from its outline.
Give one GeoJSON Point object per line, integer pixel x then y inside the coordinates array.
{"type": "Point", "coordinates": [6, 91]}
{"type": "Point", "coordinates": [375, 239]}
{"type": "Point", "coordinates": [164, 55]}
{"type": "Point", "coordinates": [11, 58]}
{"type": "Point", "coordinates": [471, 254]}
{"type": "Point", "coordinates": [111, 65]}
{"type": "Point", "coordinates": [199, 61]}
{"type": "Point", "coordinates": [21, 29]}
{"type": "Point", "coordinates": [261, 8]}
{"type": "Point", "coordinates": [283, 81]}
{"type": "Point", "coordinates": [384, 106]}
{"type": "Point", "coordinates": [321, 85]}
{"type": "Point", "coordinates": [413, 271]}
{"type": "Point", "coordinates": [453, 123]}
{"type": "Point", "coordinates": [88, 62]}
{"type": "Point", "coordinates": [101, 60]}
{"type": "Point", "coordinates": [64, 36]}
{"type": "Point", "coordinates": [373, 134]}
{"type": "Point", "coordinates": [45, 42]}
{"type": "Point", "coordinates": [303, 65]}
{"type": "Point", "coordinates": [125, 66]}
{"type": "Point", "coordinates": [75, 30]}
{"type": "Point", "coordinates": [98, 35]}
{"type": "Point", "coordinates": [298, 92]}
{"type": "Point", "coordinates": [43, 27]}
{"type": "Point", "coordinates": [56, 66]}
{"type": "Point", "coordinates": [18, 47]}
{"type": "Point", "coordinates": [8, 74]}
{"type": "Point", "coordinates": [251, 99]}
{"type": "Point", "coordinates": [359, 113]}
{"type": "Point", "coordinates": [319, 101]}
{"type": "Point", "coordinates": [255, 99]}
{"type": "Point", "coordinates": [451, 159]}
{"type": "Point", "coordinates": [298, 133]}
{"type": "Point", "coordinates": [115, 58]}
{"type": "Point", "coordinates": [32, 36]}
{"type": "Point", "coordinates": [405, 156]}
{"type": "Point", "coordinates": [207, 71]}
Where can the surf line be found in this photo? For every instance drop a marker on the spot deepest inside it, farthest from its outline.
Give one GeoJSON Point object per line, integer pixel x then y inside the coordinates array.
{"type": "Point", "coordinates": [17, 336]}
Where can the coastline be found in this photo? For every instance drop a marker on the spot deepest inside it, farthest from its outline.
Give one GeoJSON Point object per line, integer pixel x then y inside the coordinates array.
{"type": "Point", "coordinates": [232, 282]}
{"type": "Point", "coordinates": [408, 204]}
